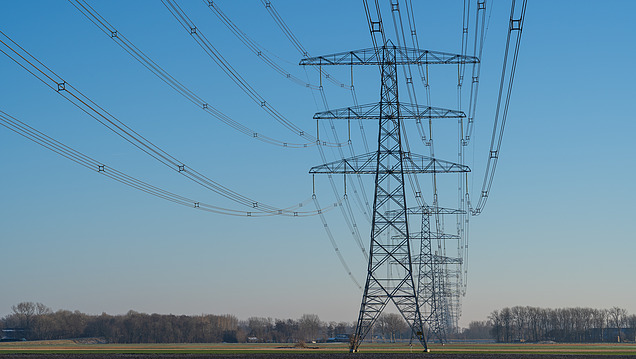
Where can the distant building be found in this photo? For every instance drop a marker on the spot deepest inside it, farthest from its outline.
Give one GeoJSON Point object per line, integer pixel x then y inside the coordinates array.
{"type": "Point", "coordinates": [13, 335]}
{"type": "Point", "coordinates": [612, 334]}
{"type": "Point", "coordinates": [339, 338]}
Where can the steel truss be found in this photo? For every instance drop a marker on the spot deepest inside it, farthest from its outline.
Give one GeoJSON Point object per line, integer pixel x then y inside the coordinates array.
{"type": "Point", "coordinates": [435, 292]}
{"type": "Point", "coordinates": [390, 274]}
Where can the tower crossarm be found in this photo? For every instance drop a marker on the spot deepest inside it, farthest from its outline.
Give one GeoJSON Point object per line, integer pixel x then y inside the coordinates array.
{"type": "Point", "coordinates": [430, 210]}
{"type": "Point", "coordinates": [438, 260]}
{"type": "Point", "coordinates": [373, 111]}
{"type": "Point", "coordinates": [446, 260]}
{"type": "Point", "coordinates": [434, 235]}
{"type": "Point", "coordinates": [367, 164]}
{"type": "Point", "coordinates": [403, 56]}
{"type": "Point", "coordinates": [444, 236]}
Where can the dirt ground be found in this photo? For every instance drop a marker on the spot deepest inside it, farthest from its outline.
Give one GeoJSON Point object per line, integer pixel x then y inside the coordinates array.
{"type": "Point", "coordinates": [310, 356]}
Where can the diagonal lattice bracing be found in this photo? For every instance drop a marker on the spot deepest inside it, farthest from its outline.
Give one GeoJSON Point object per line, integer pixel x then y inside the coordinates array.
{"type": "Point", "coordinates": [372, 112]}
{"type": "Point", "coordinates": [367, 163]}
{"type": "Point", "coordinates": [390, 272]}
{"type": "Point", "coordinates": [403, 56]}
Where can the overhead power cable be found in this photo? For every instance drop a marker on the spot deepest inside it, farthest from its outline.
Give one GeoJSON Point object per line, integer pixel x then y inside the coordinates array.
{"type": "Point", "coordinates": [413, 179]}
{"type": "Point", "coordinates": [376, 28]}
{"type": "Point", "coordinates": [260, 52]}
{"type": "Point", "coordinates": [515, 28]}
{"type": "Point", "coordinates": [80, 158]}
{"type": "Point", "coordinates": [401, 39]}
{"type": "Point", "coordinates": [24, 59]}
{"type": "Point", "coordinates": [478, 47]}
{"type": "Point", "coordinates": [346, 210]}
{"type": "Point", "coordinates": [257, 49]}
{"type": "Point", "coordinates": [289, 34]}
{"type": "Point", "coordinates": [280, 22]}
{"type": "Point", "coordinates": [408, 77]}
{"type": "Point", "coordinates": [175, 84]}
{"type": "Point", "coordinates": [189, 26]}
{"type": "Point", "coordinates": [278, 19]}
{"type": "Point", "coordinates": [466, 129]}
{"type": "Point", "coordinates": [334, 244]}
{"type": "Point", "coordinates": [423, 70]}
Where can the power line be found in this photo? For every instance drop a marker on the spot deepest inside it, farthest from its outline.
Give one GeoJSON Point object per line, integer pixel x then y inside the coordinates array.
{"type": "Point", "coordinates": [92, 15]}
{"type": "Point", "coordinates": [258, 50]}
{"type": "Point", "coordinates": [227, 68]}
{"type": "Point", "coordinates": [334, 244]}
{"type": "Point", "coordinates": [66, 90]}
{"type": "Point", "coordinates": [278, 19]}
{"type": "Point", "coordinates": [434, 321]}
{"type": "Point", "coordinates": [515, 26]}
{"type": "Point", "coordinates": [346, 210]}
{"type": "Point", "coordinates": [478, 47]}
{"type": "Point", "coordinates": [80, 158]}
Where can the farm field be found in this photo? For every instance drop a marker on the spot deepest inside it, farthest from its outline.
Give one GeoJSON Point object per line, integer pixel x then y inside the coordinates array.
{"type": "Point", "coordinates": [73, 349]}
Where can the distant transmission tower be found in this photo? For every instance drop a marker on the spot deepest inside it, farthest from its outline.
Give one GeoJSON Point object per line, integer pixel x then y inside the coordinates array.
{"type": "Point", "coordinates": [390, 272]}
{"type": "Point", "coordinates": [433, 285]}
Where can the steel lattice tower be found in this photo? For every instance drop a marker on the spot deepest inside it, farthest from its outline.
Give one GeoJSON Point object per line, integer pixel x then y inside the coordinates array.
{"type": "Point", "coordinates": [390, 273]}
{"type": "Point", "coordinates": [432, 285]}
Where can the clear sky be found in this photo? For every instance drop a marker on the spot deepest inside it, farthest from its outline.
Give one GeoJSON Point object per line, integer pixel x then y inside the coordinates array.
{"type": "Point", "coordinates": [558, 229]}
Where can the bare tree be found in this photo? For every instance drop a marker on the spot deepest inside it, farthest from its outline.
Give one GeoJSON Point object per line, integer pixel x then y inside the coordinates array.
{"type": "Point", "coordinates": [617, 316]}
{"type": "Point", "coordinates": [260, 327]}
{"type": "Point", "coordinates": [599, 320]}
{"type": "Point", "coordinates": [506, 321]}
{"type": "Point", "coordinates": [497, 327]}
{"type": "Point", "coordinates": [478, 330]}
{"type": "Point", "coordinates": [520, 319]}
{"type": "Point", "coordinates": [391, 323]}
{"type": "Point", "coordinates": [24, 312]}
{"type": "Point", "coordinates": [631, 324]}
{"type": "Point", "coordinates": [310, 325]}
{"type": "Point", "coordinates": [28, 315]}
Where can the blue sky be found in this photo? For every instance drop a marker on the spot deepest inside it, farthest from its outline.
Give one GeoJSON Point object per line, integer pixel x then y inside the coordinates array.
{"type": "Point", "coordinates": [557, 230]}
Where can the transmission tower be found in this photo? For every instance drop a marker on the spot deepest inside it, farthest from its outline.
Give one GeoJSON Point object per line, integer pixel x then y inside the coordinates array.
{"type": "Point", "coordinates": [390, 274]}
{"type": "Point", "coordinates": [433, 284]}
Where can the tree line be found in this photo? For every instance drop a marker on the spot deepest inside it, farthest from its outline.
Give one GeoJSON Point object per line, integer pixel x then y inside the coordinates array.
{"type": "Point", "coordinates": [36, 321]}
{"type": "Point", "coordinates": [518, 324]}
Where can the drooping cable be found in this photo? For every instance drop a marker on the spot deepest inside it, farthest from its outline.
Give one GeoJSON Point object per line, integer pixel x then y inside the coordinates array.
{"type": "Point", "coordinates": [203, 42]}
{"type": "Point", "coordinates": [92, 15]}
{"type": "Point", "coordinates": [408, 77]}
{"type": "Point", "coordinates": [478, 47]}
{"type": "Point", "coordinates": [423, 71]}
{"type": "Point", "coordinates": [280, 22]}
{"type": "Point", "coordinates": [260, 52]}
{"type": "Point", "coordinates": [25, 60]}
{"type": "Point", "coordinates": [515, 26]}
{"type": "Point", "coordinates": [255, 48]}
{"type": "Point", "coordinates": [401, 38]}
{"type": "Point", "coordinates": [80, 158]}
{"type": "Point", "coordinates": [334, 244]}
{"type": "Point", "coordinates": [346, 210]}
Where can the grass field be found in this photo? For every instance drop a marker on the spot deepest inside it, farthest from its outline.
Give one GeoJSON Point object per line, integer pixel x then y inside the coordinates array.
{"type": "Point", "coordinates": [72, 347]}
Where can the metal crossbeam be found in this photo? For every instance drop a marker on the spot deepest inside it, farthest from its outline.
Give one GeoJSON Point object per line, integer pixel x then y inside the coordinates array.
{"type": "Point", "coordinates": [438, 260]}
{"type": "Point", "coordinates": [390, 238]}
{"type": "Point", "coordinates": [373, 111]}
{"type": "Point", "coordinates": [435, 259]}
{"type": "Point", "coordinates": [430, 210]}
{"type": "Point", "coordinates": [367, 164]}
{"type": "Point", "coordinates": [403, 56]}
{"type": "Point", "coordinates": [434, 235]}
